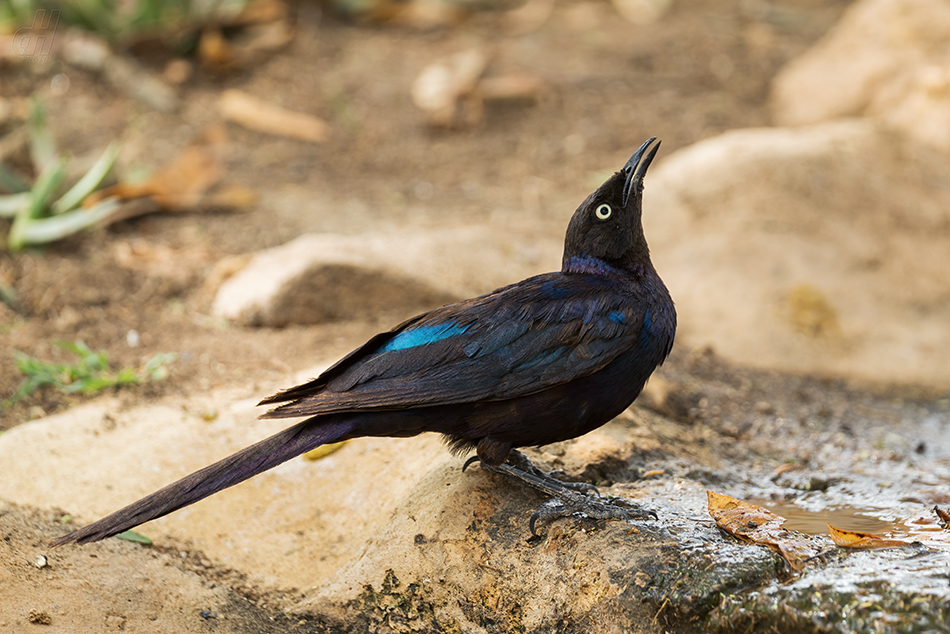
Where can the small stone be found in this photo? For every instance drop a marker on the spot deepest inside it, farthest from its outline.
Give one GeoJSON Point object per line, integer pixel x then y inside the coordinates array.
{"type": "Point", "coordinates": [40, 617]}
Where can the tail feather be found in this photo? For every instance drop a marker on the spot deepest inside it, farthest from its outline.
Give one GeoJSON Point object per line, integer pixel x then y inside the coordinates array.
{"type": "Point", "coordinates": [236, 468]}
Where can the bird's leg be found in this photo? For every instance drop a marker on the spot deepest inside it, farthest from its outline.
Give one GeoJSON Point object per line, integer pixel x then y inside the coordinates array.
{"type": "Point", "coordinates": [569, 497]}
{"type": "Point", "coordinates": [518, 460]}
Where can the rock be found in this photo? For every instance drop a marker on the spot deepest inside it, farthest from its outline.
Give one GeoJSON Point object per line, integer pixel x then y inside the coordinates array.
{"type": "Point", "coordinates": [383, 534]}
{"type": "Point", "coordinates": [885, 58]}
{"type": "Point", "coordinates": [327, 277]}
{"type": "Point", "coordinates": [388, 535]}
{"type": "Point", "coordinates": [819, 250]}
{"type": "Point", "coordinates": [382, 530]}
{"type": "Point", "coordinates": [113, 461]}
{"type": "Point", "coordinates": [919, 104]}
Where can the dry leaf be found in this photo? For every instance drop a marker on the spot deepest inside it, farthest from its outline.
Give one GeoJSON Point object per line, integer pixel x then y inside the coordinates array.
{"type": "Point", "coordinates": [853, 539]}
{"type": "Point", "coordinates": [260, 11]}
{"type": "Point", "coordinates": [943, 516]}
{"type": "Point", "coordinates": [244, 49]}
{"type": "Point", "coordinates": [214, 50]}
{"type": "Point", "coordinates": [784, 467]}
{"type": "Point", "coordinates": [510, 87]}
{"type": "Point", "coordinates": [452, 91]}
{"type": "Point", "coordinates": [262, 116]}
{"type": "Point", "coordinates": [758, 525]}
{"type": "Point", "coordinates": [442, 87]}
{"type": "Point", "coordinates": [182, 183]}
{"type": "Point", "coordinates": [262, 26]}
{"type": "Point", "coordinates": [323, 451]}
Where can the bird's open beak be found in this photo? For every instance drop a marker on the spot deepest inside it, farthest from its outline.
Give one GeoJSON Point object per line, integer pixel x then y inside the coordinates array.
{"type": "Point", "coordinates": [635, 170]}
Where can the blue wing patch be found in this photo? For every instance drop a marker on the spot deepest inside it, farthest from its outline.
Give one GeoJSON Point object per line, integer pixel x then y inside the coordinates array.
{"type": "Point", "coordinates": [423, 335]}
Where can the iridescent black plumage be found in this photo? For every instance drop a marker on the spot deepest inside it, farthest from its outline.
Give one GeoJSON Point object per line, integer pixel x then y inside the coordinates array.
{"type": "Point", "coordinates": [544, 360]}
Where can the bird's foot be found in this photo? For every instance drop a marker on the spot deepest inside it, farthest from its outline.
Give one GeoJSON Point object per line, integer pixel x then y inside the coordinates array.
{"type": "Point", "coordinates": [568, 497]}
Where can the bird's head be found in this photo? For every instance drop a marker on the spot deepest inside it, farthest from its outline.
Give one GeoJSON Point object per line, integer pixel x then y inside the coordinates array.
{"type": "Point", "coordinates": [606, 228]}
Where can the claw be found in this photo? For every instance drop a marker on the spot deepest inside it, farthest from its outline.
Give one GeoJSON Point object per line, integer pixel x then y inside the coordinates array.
{"type": "Point", "coordinates": [469, 462]}
{"type": "Point", "coordinates": [567, 498]}
{"type": "Point", "coordinates": [534, 518]}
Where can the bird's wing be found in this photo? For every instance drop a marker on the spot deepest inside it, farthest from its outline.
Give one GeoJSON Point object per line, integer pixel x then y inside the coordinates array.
{"type": "Point", "coordinates": [543, 331]}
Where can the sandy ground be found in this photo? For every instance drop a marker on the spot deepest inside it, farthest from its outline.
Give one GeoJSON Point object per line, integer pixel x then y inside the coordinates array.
{"type": "Point", "coordinates": [703, 69]}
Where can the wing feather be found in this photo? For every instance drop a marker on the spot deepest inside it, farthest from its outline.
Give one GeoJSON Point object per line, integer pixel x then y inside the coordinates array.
{"type": "Point", "coordinates": [518, 340]}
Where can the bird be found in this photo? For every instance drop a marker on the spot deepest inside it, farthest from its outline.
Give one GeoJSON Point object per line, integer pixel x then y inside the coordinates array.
{"type": "Point", "coordinates": [543, 360]}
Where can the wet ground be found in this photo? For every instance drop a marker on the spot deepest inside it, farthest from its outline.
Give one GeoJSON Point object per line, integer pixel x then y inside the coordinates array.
{"type": "Point", "coordinates": [816, 452]}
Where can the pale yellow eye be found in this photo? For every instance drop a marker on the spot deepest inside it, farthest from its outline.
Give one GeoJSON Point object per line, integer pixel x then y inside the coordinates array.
{"type": "Point", "coordinates": [603, 212]}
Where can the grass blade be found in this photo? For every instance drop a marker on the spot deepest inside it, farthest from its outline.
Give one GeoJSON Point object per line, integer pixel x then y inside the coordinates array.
{"type": "Point", "coordinates": [42, 147]}
{"type": "Point", "coordinates": [46, 230]}
{"type": "Point", "coordinates": [43, 189]}
{"type": "Point", "coordinates": [88, 183]}
{"type": "Point", "coordinates": [11, 204]}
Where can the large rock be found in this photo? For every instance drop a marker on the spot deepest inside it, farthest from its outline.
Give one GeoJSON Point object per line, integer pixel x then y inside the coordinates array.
{"type": "Point", "coordinates": [387, 535]}
{"type": "Point", "coordinates": [885, 58]}
{"type": "Point", "coordinates": [394, 514]}
{"type": "Point", "coordinates": [821, 250]}
{"type": "Point", "coordinates": [328, 277]}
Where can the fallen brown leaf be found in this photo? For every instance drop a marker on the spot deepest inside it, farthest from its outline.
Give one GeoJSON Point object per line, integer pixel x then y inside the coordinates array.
{"type": "Point", "coordinates": [244, 49]}
{"type": "Point", "coordinates": [943, 516]}
{"type": "Point", "coordinates": [261, 27]}
{"type": "Point", "coordinates": [784, 467]}
{"type": "Point", "coordinates": [262, 116]}
{"type": "Point", "coordinates": [260, 11]}
{"type": "Point", "coordinates": [182, 183]}
{"type": "Point", "coordinates": [422, 15]}
{"type": "Point", "coordinates": [214, 50]}
{"type": "Point", "coordinates": [445, 90]}
{"type": "Point", "coordinates": [323, 451]}
{"type": "Point", "coordinates": [510, 87]}
{"type": "Point", "coordinates": [854, 539]}
{"type": "Point", "coordinates": [758, 525]}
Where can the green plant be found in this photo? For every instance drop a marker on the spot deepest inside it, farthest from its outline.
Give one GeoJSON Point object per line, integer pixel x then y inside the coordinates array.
{"type": "Point", "coordinates": [121, 20]}
{"type": "Point", "coordinates": [91, 374]}
{"type": "Point", "coordinates": [37, 217]}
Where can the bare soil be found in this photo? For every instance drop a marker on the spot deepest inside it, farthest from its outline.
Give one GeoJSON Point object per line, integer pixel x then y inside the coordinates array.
{"type": "Point", "coordinates": [704, 68]}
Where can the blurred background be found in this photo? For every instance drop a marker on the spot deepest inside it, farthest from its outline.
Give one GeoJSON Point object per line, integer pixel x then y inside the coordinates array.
{"type": "Point", "coordinates": [202, 202]}
{"type": "Point", "coordinates": [405, 154]}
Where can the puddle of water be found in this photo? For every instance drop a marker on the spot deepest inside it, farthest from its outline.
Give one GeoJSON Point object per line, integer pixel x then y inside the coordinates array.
{"type": "Point", "coordinates": [863, 520]}
{"type": "Point", "coordinates": [816, 522]}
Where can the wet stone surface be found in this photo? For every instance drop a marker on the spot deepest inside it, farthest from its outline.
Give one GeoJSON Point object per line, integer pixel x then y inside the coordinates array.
{"type": "Point", "coordinates": [815, 452]}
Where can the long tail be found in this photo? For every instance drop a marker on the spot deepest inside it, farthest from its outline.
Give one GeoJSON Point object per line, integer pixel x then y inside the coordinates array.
{"type": "Point", "coordinates": [236, 468]}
